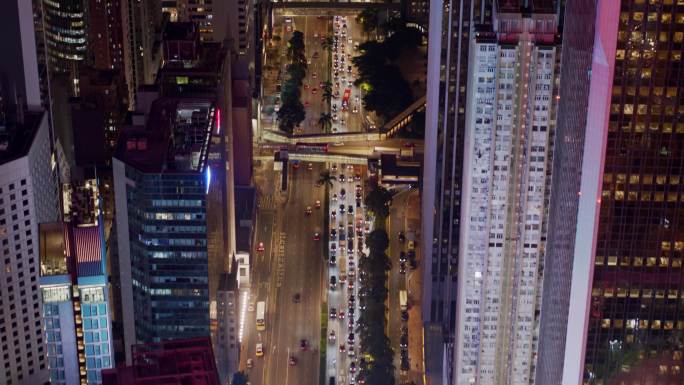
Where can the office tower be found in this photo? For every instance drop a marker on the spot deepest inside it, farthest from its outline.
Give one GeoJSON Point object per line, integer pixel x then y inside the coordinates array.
{"type": "Point", "coordinates": [576, 162]}
{"type": "Point", "coordinates": [508, 148]}
{"type": "Point", "coordinates": [75, 294]}
{"type": "Point", "coordinates": [179, 362]}
{"type": "Point", "coordinates": [448, 43]}
{"type": "Point", "coordinates": [228, 308]}
{"type": "Point", "coordinates": [624, 318]}
{"type": "Point", "coordinates": [105, 34]}
{"type": "Point", "coordinates": [66, 39]}
{"type": "Point", "coordinates": [141, 23]}
{"type": "Point", "coordinates": [161, 181]}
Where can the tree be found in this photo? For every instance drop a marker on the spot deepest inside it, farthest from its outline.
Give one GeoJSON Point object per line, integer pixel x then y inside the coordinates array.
{"type": "Point", "coordinates": [325, 121]}
{"type": "Point", "coordinates": [326, 178]}
{"type": "Point", "coordinates": [377, 240]}
{"type": "Point", "coordinates": [326, 86]}
{"type": "Point", "coordinates": [295, 47]}
{"type": "Point", "coordinates": [291, 113]}
{"type": "Point", "coordinates": [239, 378]}
{"type": "Point", "coordinates": [378, 201]}
{"type": "Point", "coordinates": [326, 96]}
{"type": "Point", "coordinates": [368, 18]}
{"type": "Point", "coordinates": [327, 43]}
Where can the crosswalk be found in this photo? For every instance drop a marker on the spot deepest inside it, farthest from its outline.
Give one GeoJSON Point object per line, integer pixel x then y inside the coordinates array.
{"type": "Point", "coordinates": [280, 255]}
{"type": "Point", "coordinates": [267, 202]}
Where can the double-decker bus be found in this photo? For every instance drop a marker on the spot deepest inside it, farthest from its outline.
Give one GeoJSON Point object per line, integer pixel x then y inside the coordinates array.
{"type": "Point", "coordinates": [345, 98]}
{"type": "Point", "coordinates": [313, 148]}
{"type": "Point", "coordinates": [261, 316]}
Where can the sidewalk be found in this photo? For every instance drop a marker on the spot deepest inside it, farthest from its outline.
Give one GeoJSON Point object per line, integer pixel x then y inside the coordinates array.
{"type": "Point", "coordinates": [415, 291]}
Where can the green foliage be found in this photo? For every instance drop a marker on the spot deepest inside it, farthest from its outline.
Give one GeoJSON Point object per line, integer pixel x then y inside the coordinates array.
{"type": "Point", "coordinates": [325, 121]}
{"type": "Point", "coordinates": [378, 201]}
{"type": "Point", "coordinates": [387, 93]}
{"type": "Point", "coordinates": [368, 18]}
{"type": "Point", "coordinates": [292, 111]}
{"type": "Point", "coordinates": [326, 179]}
{"type": "Point", "coordinates": [373, 295]}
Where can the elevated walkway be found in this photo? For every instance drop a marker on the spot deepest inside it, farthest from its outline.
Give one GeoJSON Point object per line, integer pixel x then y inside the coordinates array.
{"type": "Point", "coordinates": [405, 117]}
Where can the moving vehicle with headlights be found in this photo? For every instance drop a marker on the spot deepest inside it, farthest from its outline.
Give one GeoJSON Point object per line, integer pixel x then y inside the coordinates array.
{"type": "Point", "coordinates": [261, 316]}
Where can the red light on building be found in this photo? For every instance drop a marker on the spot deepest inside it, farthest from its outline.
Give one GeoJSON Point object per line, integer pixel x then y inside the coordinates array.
{"type": "Point", "coordinates": [175, 362]}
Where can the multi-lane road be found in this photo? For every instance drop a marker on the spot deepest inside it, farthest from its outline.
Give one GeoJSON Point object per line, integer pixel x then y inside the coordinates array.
{"type": "Point", "coordinates": [292, 262]}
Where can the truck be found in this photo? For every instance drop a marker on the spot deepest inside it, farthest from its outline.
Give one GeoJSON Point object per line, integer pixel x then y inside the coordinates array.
{"type": "Point", "coordinates": [261, 315]}
{"type": "Point", "coordinates": [403, 300]}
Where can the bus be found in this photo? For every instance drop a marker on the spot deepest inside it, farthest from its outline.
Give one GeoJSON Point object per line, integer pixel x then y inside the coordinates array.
{"type": "Point", "coordinates": [261, 316]}
{"type": "Point", "coordinates": [312, 148]}
{"type": "Point", "coordinates": [345, 98]}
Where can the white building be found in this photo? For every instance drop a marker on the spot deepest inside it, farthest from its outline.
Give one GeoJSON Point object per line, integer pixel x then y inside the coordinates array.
{"type": "Point", "coordinates": [228, 316]}
{"type": "Point", "coordinates": [28, 196]}
{"type": "Point", "coordinates": [509, 125]}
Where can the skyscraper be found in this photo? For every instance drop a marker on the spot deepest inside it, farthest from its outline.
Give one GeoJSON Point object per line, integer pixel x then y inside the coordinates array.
{"type": "Point", "coordinates": [624, 302]}
{"type": "Point", "coordinates": [28, 196]}
{"type": "Point", "coordinates": [66, 39]}
{"type": "Point", "coordinates": [448, 43]}
{"type": "Point", "coordinates": [161, 180]}
{"type": "Point", "coordinates": [76, 310]}
{"type": "Point", "coordinates": [508, 148]}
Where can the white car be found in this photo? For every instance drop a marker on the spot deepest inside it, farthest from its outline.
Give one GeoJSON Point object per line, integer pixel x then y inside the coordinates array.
{"type": "Point", "coordinates": [259, 349]}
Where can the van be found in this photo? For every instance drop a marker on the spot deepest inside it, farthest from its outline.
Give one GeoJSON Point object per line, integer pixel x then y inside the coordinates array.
{"type": "Point", "coordinates": [331, 380]}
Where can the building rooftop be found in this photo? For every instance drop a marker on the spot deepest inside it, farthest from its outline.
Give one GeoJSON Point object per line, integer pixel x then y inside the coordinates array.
{"type": "Point", "coordinates": [69, 249]}
{"type": "Point", "coordinates": [180, 31]}
{"type": "Point", "coordinates": [17, 133]}
{"type": "Point", "coordinates": [175, 137]}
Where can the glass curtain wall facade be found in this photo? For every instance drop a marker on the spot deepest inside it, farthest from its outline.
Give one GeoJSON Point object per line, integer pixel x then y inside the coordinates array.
{"type": "Point", "coordinates": [65, 34]}
{"type": "Point", "coordinates": [168, 249]}
{"type": "Point", "coordinates": [636, 316]}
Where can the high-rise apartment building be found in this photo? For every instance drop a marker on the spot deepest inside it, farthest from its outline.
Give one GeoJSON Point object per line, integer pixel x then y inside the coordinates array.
{"type": "Point", "coordinates": [161, 181]}
{"type": "Point", "coordinates": [210, 16]}
{"type": "Point", "coordinates": [76, 311]}
{"type": "Point", "coordinates": [508, 148]}
{"type": "Point", "coordinates": [105, 34]}
{"type": "Point", "coordinates": [142, 27]}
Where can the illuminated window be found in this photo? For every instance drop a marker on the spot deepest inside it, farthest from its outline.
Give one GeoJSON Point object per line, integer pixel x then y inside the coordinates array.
{"type": "Point", "coordinates": [678, 36]}
{"type": "Point", "coordinates": [647, 179]}
{"type": "Point", "coordinates": [608, 292]}
{"type": "Point", "coordinates": [651, 261]}
{"type": "Point", "coordinates": [666, 18]}
{"type": "Point", "coordinates": [619, 195]}
{"type": "Point", "coordinates": [680, 128]}
{"type": "Point", "coordinates": [677, 262]}
{"type": "Point", "coordinates": [667, 128]}
{"type": "Point", "coordinates": [646, 196]}
{"type": "Point", "coordinates": [596, 292]}
{"type": "Point", "coordinates": [621, 292]}
{"type": "Point", "coordinates": [672, 293]}
{"type": "Point", "coordinates": [638, 16]}
{"type": "Point", "coordinates": [659, 196]}
{"type": "Point", "coordinates": [642, 109]}
{"type": "Point", "coordinates": [617, 324]}
{"type": "Point", "coordinates": [625, 261]}
{"type": "Point", "coordinates": [634, 293]}
{"type": "Point", "coordinates": [665, 246]}
{"type": "Point", "coordinates": [612, 260]}
{"type": "Point", "coordinates": [638, 261]}
{"type": "Point", "coordinates": [605, 323]}
{"type": "Point", "coordinates": [674, 179]}
{"type": "Point", "coordinates": [634, 179]}
{"type": "Point", "coordinates": [599, 260]}
{"type": "Point", "coordinates": [643, 324]}
{"type": "Point", "coordinates": [652, 16]}
{"type": "Point", "coordinates": [632, 195]}
{"type": "Point", "coordinates": [680, 325]}
{"type": "Point", "coordinates": [662, 369]}
{"type": "Point", "coordinates": [660, 294]}
{"type": "Point", "coordinates": [662, 37]}
{"type": "Point", "coordinates": [664, 261]}
{"type": "Point", "coordinates": [655, 325]}
{"type": "Point", "coordinates": [668, 325]}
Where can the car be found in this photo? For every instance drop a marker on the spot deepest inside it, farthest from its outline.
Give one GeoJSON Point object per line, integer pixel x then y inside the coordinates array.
{"type": "Point", "coordinates": [315, 55]}
{"type": "Point", "coordinates": [351, 285]}
{"type": "Point", "coordinates": [350, 339]}
{"type": "Point", "coordinates": [352, 367]}
{"type": "Point", "coordinates": [404, 315]}
{"type": "Point", "coordinates": [342, 122]}
{"type": "Point", "coordinates": [295, 165]}
{"type": "Point", "coordinates": [307, 210]}
{"type": "Point", "coordinates": [350, 246]}
{"type": "Point", "coordinates": [250, 307]}
{"type": "Point", "coordinates": [333, 234]}
{"type": "Point", "coordinates": [343, 192]}
{"type": "Point", "coordinates": [358, 206]}
{"type": "Point", "coordinates": [314, 75]}
{"type": "Point", "coordinates": [340, 315]}
{"type": "Point", "coordinates": [334, 167]}
{"type": "Point", "coordinates": [303, 345]}
{"type": "Point", "coordinates": [403, 341]}
{"type": "Point", "coordinates": [405, 366]}
{"type": "Point", "coordinates": [306, 86]}
{"type": "Point", "coordinates": [333, 214]}
{"type": "Point", "coordinates": [309, 167]}
{"type": "Point", "coordinates": [402, 237]}
{"type": "Point", "coordinates": [292, 361]}
{"type": "Point", "coordinates": [333, 247]}
{"type": "Point", "coordinates": [332, 260]}
{"type": "Point", "coordinates": [402, 268]}
{"type": "Point", "coordinates": [351, 352]}
{"type": "Point", "coordinates": [333, 282]}
{"type": "Point", "coordinates": [402, 257]}
{"type": "Point", "coordinates": [318, 204]}
{"type": "Point", "coordinates": [333, 313]}
{"type": "Point", "coordinates": [350, 41]}
{"type": "Point", "coordinates": [250, 363]}
{"type": "Point", "coordinates": [334, 117]}
{"type": "Point", "coordinates": [317, 236]}
{"type": "Point", "coordinates": [314, 90]}
{"type": "Point", "coordinates": [349, 69]}
{"type": "Point", "coordinates": [259, 349]}
{"type": "Point", "coordinates": [334, 107]}
{"type": "Point", "coordinates": [260, 247]}
{"type": "Point", "coordinates": [350, 210]}
{"type": "Point", "coordinates": [331, 336]}
{"type": "Point", "coordinates": [350, 323]}
{"type": "Point", "coordinates": [341, 348]}
{"type": "Point", "coordinates": [355, 109]}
